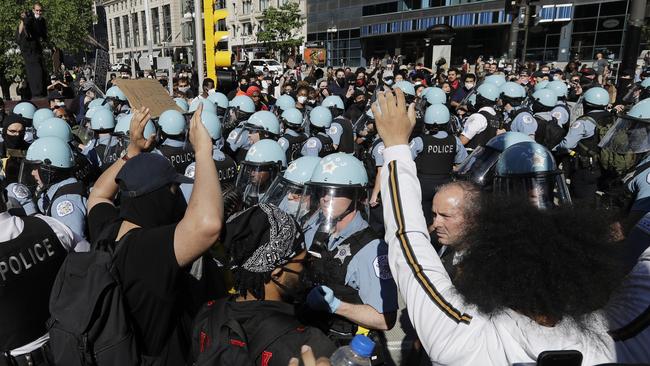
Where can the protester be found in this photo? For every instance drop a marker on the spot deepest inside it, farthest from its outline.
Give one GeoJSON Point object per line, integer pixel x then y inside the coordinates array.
{"type": "Point", "coordinates": [32, 31]}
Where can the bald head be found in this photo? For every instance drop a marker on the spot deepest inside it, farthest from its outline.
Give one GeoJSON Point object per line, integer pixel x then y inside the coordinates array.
{"type": "Point", "coordinates": [452, 207]}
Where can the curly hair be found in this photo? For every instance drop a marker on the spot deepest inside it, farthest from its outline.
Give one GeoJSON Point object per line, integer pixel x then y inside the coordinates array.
{"type": "Point", "coordinates": [558, 264]}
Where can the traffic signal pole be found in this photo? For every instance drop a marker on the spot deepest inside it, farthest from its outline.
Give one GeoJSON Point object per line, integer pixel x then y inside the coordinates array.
{"type": "Point", "coordinates": [198, 39]}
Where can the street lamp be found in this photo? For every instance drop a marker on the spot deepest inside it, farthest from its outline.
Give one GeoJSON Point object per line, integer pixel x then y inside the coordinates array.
{"type": "Point", "coordinates": [330, 41]}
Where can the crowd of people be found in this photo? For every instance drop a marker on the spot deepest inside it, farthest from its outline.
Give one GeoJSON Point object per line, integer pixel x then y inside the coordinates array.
{"type": "Point", "coordinates": [503, 210]}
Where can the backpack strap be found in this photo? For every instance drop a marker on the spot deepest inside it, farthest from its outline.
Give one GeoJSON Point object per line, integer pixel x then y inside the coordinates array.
{"type": "Point", "coordinates": [270, 330]}
{"type": "Point", "coordinates": [72, 188]}
{"type": "Point", "coordinates": [636, 172]}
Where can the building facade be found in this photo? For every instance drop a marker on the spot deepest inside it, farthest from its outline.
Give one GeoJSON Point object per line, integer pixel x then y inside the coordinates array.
{"type": "Point", "coordinates": [171, 28]}
{"type": "Point", "coordinates": [244, 22]}
{"type": "Point", "coordinates": [355, 31]}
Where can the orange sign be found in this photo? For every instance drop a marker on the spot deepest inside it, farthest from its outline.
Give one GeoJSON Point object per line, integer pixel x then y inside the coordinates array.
{"type": "Point", "coordinates": [315, 56]}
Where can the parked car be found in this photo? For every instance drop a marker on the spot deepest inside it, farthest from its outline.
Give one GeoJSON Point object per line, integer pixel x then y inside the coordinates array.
{"type": "Point", "coordinates": [272, 65]}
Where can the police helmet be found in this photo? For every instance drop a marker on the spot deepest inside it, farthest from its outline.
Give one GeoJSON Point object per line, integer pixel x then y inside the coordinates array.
{"type": "Point", "coordinates": [559, 87]}
{"type": "Point", "coordinates": [286, 191]}
{"type": "Point", "coordinates": [51, 152]}
{"type": "Point", "coordinates": [528, 169]}
{"type": "Point", "coordinates": [488, 91]}
{"type": "Point", "coordinates": [541, 85]}
{"type": "Point", "coordinates": [172, 122]}
{"type": "Point", "coordinates": [301, 169]}
{"type": "Point", "coordinates": [266, 151]}
{"type": "Point", "coordinates": [40, 116]}
{"type": "Point", "coordinates": [333, 101]}
{"type": "Point", "coordinates": [102, 119]}
{"type": "Point", "coordinates": [292, 118]}
{"type": "Point", "coordinates": [25, 110]}
{"type": "Point", "coordinates": [54, 127]}
{"type": "Point", "coordinates": [596, 97]}
{"type": "Point", "coordinates": [340, 169]}
{"type": "Point", "coordinates": [645, 84]}
{"type": "Point", "coordinates": [513, 90]}
{"type": "Point", "coordinates": [545, 97]}
{"type": "Point", "coordinates": [114, 92]}
{"type": "Point", "coordinates": [212, 124]}
{"type": "Point", "coordinates": [285, 101]}
{"type": "Point", "coordinates": [182, 104]}
{"type": "Point", "coordinates": [264, 121]}
{"type": "Point", "coordinates": [497, 80]}
{"type": "Point", "coordinates": [208, 106]}
{"type": "Point", "coordinates": [320, 117]}
{"type": "Point", "coordinates": [434, 95]}
{"type": "Point", "coordinates": [260, 167]}
{"type": "Point", "coordinates": [244, 103]}
{"type": "Point", "coordinates": [437, 114]}
{"type": "Point", "coordinates": [99, 102]}
{"type": "Point", "coordinates": [406, 87]}
{"type": "Point", "coordinates": [631, 132]}
{"type": "Point", "coordinates": [219, 99]}
{"type": "Point", "coordinates": [123, 125]}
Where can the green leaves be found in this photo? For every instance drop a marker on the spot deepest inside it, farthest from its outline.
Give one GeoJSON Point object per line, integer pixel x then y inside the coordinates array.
{"type": "Point", "coordinates": [280, 27]}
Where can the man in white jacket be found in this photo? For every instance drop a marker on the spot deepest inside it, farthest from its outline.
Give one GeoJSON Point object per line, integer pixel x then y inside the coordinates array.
{"type": "Point", "coordinates": [456, 331]}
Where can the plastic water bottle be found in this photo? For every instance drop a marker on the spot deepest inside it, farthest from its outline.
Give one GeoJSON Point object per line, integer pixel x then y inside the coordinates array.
{"type": "Point", "coordinates": [356, 354]}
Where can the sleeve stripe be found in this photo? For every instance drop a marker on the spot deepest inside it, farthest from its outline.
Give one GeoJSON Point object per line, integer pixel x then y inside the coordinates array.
{"type": "Point", "coordinates": [431, 291]}
{"type": "Point", "coordinates": [631, 330]}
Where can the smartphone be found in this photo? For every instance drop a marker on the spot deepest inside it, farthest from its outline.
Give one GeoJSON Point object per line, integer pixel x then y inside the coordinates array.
{"type": "Point", "coordinates": [559, 358]}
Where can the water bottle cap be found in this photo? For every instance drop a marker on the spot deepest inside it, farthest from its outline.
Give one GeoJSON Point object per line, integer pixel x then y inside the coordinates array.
{"type": "Point", "coordinates": [362, 345]}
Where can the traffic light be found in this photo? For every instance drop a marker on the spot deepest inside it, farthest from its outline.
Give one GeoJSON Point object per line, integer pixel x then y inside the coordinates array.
{"type": "Point", "coordinates": [217, 53]}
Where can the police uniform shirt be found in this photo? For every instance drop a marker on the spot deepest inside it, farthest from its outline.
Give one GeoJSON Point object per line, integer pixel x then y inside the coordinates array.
{"type": "Point", "coordinates": [580, 129]}
{"type": "Point", "coordinates": [19, 194]}
{"type": "Point", "coordinates": [284, 143]}
{"type": "Point", "coordinates": [561, 113]}
{"type": "Point", "coordinates": [217, 155]}
{"type": "Point", "coordinates": [476, 123]}
{"type": "Point", "coordinates": [368, 271]}
{"type": "Point", "coordinates": [640, 187]}
{"type": "Point", "coordinates": [417, 146]}
{"type": "Point", "coordinates": [525, 123]}
{"type": "Point", "coordinates": [448, 327]}
{"type": "Point", "coordinates": [238, 139]}
{"type": "Point", "coordinates": [10, 228]}
{"type": "Point", "coordinates": [378, 153]}
{"type": "Point", "coordinates": [70, 209]}
{"type": "Point", "coordinates": [335, 132]}
{"type": "Point", "coordinates": [96, 157]}
{"type": "Point", "coordinates": [312, 146]}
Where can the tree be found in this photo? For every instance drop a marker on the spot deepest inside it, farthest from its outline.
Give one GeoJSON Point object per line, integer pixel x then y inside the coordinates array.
{"type": "Point", "coordinates": [279, 27]}
{"type": "Point", "coordinates": [68, 22]}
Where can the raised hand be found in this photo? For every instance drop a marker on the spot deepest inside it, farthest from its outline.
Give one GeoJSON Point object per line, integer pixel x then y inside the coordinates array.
{"type": "Point", "coordinates": [138, 142]}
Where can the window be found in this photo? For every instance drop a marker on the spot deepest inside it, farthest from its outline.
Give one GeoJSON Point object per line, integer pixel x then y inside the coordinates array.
{"type": "Point", "coordinates": [264, 4]}
{"type": "Point", "coordinates": [118, 33]}
{"type": "Point", "coordinates": [547, 13]}
{"type": "Point", "coordinates": [136, 30]}
{"type": "Point", "coordinates": [586, 11]}
{"type": "Point", "coordinates": [127, 32]}
{"type": "Point", "coordinates": [246, 29]}
{"type": "Point", "coordinates": [155, 25]}
{"type": "Point", "coordinates": [167, 24]}
{"type": "Point", "coordinates": [563, 12]}
{"type": "Point", "coordinates": [614, 8]}
{"type": "Point", "coordinates": [144, 27]}
{"type": "Point", "coordinates": [110, 34]}
{"type": "Point", "coordinates": [377, 9]}
{"type": "Point", "coordinates": [247, 6]}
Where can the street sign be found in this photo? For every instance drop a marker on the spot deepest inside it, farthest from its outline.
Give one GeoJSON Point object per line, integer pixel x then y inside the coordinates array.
{"type": "Point", "coordinates": [102, 66]}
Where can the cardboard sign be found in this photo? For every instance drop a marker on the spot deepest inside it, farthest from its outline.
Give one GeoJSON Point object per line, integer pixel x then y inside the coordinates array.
{"type": "Point", "coordinates": [148, 93]}
{"type": "Point", "coordinates": [102, 65]}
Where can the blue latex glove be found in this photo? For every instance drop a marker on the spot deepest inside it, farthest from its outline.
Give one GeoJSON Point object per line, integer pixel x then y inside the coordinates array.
{"type": "Point", "coordinates": [322, 298]}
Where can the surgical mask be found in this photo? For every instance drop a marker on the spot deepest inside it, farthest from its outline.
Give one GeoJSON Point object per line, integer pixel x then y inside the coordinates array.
{"type": "Point", "coordinates": [211, 91]}
{"type": "Point", "coordinates": [311, 102]}
{"type": "Point", "coordinates": [292, 206]}
{"type": "Point", "coordinates": [183, 88]}
{"type": "Point", "coordinates": [60, 104]}
{"type": "Point", "coordinates": [469, 86]}
{"type": "Point", "coordinates": [557, 77]}
{"type": "Point", "coordinates": [524, 82]}
{"type": "Point", "coordinates": [417, 83]}
{"type": "Point", "coordinates": [388, 82]}
{"type": "Point", "coordinates": [508, 69]}
{"type": "Point", "coordinates": [302, 99]}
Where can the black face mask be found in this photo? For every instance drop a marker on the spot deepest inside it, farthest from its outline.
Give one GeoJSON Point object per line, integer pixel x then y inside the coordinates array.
{"type": "Point", "coordinates": [15, 142]}
{"type": "Point", "coordinates": [371, 88]}
{"type": "Point", "coordinates": [243, 87]}
{"type": "Point", "coordinates": [585, 80]}
{"type": "Point", "coordinates": [340, 81]}
{"type": "Point", "coordinates": [361, 104]}
{"type": "Point", "coordinates": [158, 208]}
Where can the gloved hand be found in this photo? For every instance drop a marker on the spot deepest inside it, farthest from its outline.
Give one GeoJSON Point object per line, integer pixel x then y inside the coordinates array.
{"type": "Point", "coordinates": [322, 298]}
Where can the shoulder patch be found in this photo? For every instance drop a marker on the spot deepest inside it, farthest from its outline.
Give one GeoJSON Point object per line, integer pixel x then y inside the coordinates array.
{"type": "Point", "coordinates": [282, 142]}
{"type": "Point", "coordinates": [333, 130]}
{"type": "Point", "coordinates": [382, 270]}
{"type": "Point", "coordinates": [190, 171]}
{"type": "Point", "coordinates": [64, 208]}
{"type": "Point", "coordinates": [647, 178]}
{"type": "Point", "coordinates": [20, 191]}
{"type": "Point", "coordinates": [232, 135]}
{"type": "Point", "coordinates": [576, 124]}
{"type": "Point", "coordinates": [380, 149]}
{"type": "Point", "coordinates": [311, 143]}
{"type": "Point", "coordinates": [528, 119]}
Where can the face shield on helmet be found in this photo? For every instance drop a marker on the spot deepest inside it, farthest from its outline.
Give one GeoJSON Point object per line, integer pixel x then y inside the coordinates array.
{"type": "Point", "coordinates": [478, 166]}
{"type": "Point", "coordinates": [544, 190]}
{"type": "Point", "coordinates": [255, 179]}
{"type": "Point", "coordinates": [628, 135]}
{"type": "Point", "coordinates": [287, 196]}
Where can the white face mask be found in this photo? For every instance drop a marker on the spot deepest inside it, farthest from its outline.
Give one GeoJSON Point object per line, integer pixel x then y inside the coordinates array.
{"type": "Point", "coordinates": [60, 104]}
{"type": "Point", "coordinates": [557, 77]}
{"type": "Point", "coordinates": [211, 91]}
{"type": "Point", "coordinates": [37, 15]}
{"type": "Point", "coordinates": [388, 82]}
{"type": "Point", "coordinates": [183, 88]}
{"type": "Point", "coordinates": [508, 69]}
{"type": "Point", "coordinates": [469, 85]}
{"type": "Point", "coordinates": [302, 99]}
{"type": "Point", "coordinates": [292, 208]}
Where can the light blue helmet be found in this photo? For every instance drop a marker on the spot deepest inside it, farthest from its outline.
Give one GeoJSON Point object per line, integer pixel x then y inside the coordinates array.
{"type": "Point", "coordinates": [645, 84]}
{"type": "Point", "coordinates": [505, 140]}
{"type": "Point", "coordinates": [333, 101]}
{"type": "Point", "coordinates": [292, 117]}
{"type": "Point", "coordinates": [435, 95]}
{"type": "Point", "coordinates": [437, 114]}
{"type": "Point", "coordinates": [208, 106]}
{"type": "Point", "coordinates": [54, 127]}
{"type": "Point", "coordinates": [114, 92]}
{"type": "Point", "coordinates": [212, 124]}
{"type": "Point", "coordinates": [513, 90]}
{"type": "Point", "coordinates": [51, 151]}
{"type": "Point", "coordinates": [405, 86]}
{"type": "Point", "coordinates": [320, 117]}
{"type": "Point", "coordinates": [266, 151]}
{"type": "Point", "coordinates": [124, 124]}
{"type": "Point", "coordinates": [40, 116]}
{"type": "Point", "coordinates": [285, 101]}
{"type": "Point", "coordinates": [541, 85]}
{"type": "Point", "coordinates": [488, 91]}
{"type": "Point", "coordinates": [641, 110]}
{"type": "Point", "coordinates": [24, 109]}
{"type": "Point", "coordinates": [102, 119]}
{"type": "Point", "coordinates": [497, 80]}
{"type": "Point", "coordinates": [301, 169]}
{"type": "Point", "coordinates": [597, 97]}
{"type": "Point", "coordinates": [244, 103]}
{"type": "Point", "coordinates": [219, 99]}
{"type": "Point", "coordinates": [559, 87]}
{"type": "Point", "coordinates": [340, 169]}
{"type": "Point", "coordinates": [545, 97]}
{"type": "Point", "coordinates": [172, 122]}
{"type": "Point", "coordinates": [99, 102]}
{"type": "Point", "coordinates": [525, 158]}
{"type": "Point", "coordinates": [264, 121]}
{"type": "Point", "coordinates": [182, 104]}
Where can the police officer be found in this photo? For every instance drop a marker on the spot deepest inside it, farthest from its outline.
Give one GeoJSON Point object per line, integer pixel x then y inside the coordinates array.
{"type": "Point", "coordinates": [32, 250]}
{"type": "Point", "coordinates": [27, 111]}
{"type": "Point", "coordinates": [286, 191]}
{"type": "Point", "coordinates": [182, 104]}
{"type": "Point", "coordinates": [516, 114]}
{"type": "Point", "coordinates": [261, 125]}
{"type": "Point", "coordinates": [59, 194]}
{"type": "Point", "coordinates": [102, 149]}
{"type": "Point", "coordinates": [118, 100]}
{"type": "Point", "coordinates": [208, 105]}
{"type": "Point", "coordinates": [549, 132]}
{"type": "Point", "coordinates": [264, 161]}
{"type": "Point", "coordinates": [239, 110]}
{"type": "Point", "coordinates": [581, 141]}
{"type": "Point", "coordinates": [172, 140]}
{"type": "Point", "coordinates": [528, 170]}
{"type": "Point", "coordinates": [484, 122]}
{"type": "Point", "coordinates": [478, 167]}
{"type": "Point", "coordinates": [121, 133]}
{"type": "Point", "coordinates": [294, 136]}
{"type": "Point", "coordinates": [349, 268]}
{"type": "Point", "coordinates": [284, 103]}
{"type": "Point", "coordinates": [320, 143]}
{"type": "Point", "coordinates": [40, 116]}
{"type": "Point", "coordinates": [220, 100]}
{"type": "Point", "coordinates": [496, 79]}
{"type": "Point", "coordinates": [561, 111]}
{"type": "Point", "coordinates": [435, 152]}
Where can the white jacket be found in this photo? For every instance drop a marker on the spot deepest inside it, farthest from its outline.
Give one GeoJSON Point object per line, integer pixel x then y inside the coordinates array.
{"type": "Point", "coordinates": [455, 333]}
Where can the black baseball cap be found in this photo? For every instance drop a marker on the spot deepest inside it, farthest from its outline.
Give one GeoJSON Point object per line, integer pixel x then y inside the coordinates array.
{"type": "Point", "coordinates": [146, 173]}
{"type": "Point", "coordinates": [54, 95]}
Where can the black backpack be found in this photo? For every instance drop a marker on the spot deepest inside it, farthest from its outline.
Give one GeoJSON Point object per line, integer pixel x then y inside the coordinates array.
{"type": "Point", "coordinates": [549, 133]}
{"type": "Point", "coordinates": [89, 323]}
{"type": "Point", "coordinates": [219, 340]}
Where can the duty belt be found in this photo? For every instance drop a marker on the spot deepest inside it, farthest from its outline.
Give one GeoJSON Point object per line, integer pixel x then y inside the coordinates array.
{"type": "Point", "coordinates": [36, 357]}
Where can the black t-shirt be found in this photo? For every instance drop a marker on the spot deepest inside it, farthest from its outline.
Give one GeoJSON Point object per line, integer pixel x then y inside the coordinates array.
{"type": "Point", "coordinates": [151, 279]}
